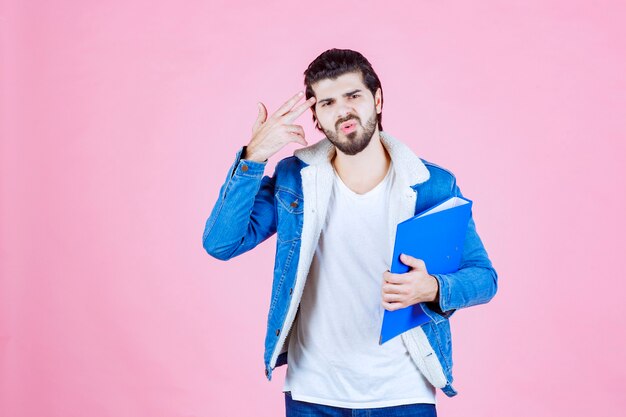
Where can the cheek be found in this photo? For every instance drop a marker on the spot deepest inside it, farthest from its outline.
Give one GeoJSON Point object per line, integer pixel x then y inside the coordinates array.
{"type": "Point", "coordinates": [367, 112]}
{"type": "Point", "coordinates": [322, 119]}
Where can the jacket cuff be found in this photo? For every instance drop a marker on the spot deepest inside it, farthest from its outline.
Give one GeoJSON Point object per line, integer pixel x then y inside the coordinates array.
{"type": "Point", "coordinates": [440, 306]}
{"type": "Point", "coordinates": [247, 167]}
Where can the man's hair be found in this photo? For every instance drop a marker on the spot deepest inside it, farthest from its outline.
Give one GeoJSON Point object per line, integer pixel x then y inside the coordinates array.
{"type": "Point", "coordinates": [336, 62]}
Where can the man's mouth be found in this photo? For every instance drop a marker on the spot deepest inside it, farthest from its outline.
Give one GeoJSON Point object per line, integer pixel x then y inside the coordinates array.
{"type": "Point", "coordinates": [349, 126]}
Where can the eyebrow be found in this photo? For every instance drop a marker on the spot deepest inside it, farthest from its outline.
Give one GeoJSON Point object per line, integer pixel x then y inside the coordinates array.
{"type": "Point", "coordinates": [345, 95]}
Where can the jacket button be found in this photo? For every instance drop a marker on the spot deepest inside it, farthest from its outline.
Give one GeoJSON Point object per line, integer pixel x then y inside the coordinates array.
{"type": "Point", "coordinates": [277, 332]}
{"type": "Point", "coordinates": [290, 291]}
{"type": "Point", "coordinates": [244, 168]}
{"type": "Point", "coordinates": [294, 204]}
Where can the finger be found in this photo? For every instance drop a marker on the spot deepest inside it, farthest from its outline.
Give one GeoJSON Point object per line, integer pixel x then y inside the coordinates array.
{"type": "Point", "coordinates": [391, 306]}
{"type": "Point", "coordinates": [412, 262]}
{"type": "Point", "coordinates": [393, 289]}
{"type": "Point", "coordinates": [288, 105]}
{"type": "Point", "coordinates": [295, 133]}
{"type": "Point", "coordinates": [296, 137]}
{"type": "Point", "coordinates": [393, 298]}
{"type": "Point", "coordinates": [295, 129]}
{"type": "Point", "coordinates": [392, 278]}
{"type": "Point", "coordinates": [261, 117]}
{"type": "Point", "coordinates": [301, 108]}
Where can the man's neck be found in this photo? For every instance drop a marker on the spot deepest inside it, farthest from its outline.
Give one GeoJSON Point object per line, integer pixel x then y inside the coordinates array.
{"type": "Point", "coordinates": [363, 171]}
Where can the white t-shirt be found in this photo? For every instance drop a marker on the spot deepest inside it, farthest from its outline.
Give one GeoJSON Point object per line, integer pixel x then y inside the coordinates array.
{"type": "Point", "coordinates": [333, 355]}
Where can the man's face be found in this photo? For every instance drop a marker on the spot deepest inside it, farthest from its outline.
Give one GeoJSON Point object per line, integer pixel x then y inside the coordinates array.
{"type": "Point", "coordinates": [347, 111]}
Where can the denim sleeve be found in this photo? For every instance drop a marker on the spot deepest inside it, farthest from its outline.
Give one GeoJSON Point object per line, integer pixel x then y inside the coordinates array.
{"type": "Point", "coordinates": [475, 282]}
{"type": "Point", "coordinates": [244, 214]}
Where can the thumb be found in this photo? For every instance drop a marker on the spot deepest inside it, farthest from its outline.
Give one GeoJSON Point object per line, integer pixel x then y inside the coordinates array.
{"type": "Point", "coordinates": [261, 117]}
{"type": "Point", "coordinates": [412, 262]}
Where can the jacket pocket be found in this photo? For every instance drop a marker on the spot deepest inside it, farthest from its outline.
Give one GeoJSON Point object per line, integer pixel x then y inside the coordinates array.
{"type": "Point", "coordinates": [289, 212]}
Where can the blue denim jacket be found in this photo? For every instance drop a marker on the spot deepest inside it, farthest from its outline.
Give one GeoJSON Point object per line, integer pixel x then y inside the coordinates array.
{"type": "Point", "coordinates": [292, 203]}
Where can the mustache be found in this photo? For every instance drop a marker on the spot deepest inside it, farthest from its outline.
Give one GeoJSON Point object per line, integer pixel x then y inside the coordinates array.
{"type": "Point", "coordinates": [340, 121]}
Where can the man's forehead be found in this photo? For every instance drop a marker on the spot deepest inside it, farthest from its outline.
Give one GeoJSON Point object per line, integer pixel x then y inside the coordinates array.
{"type": "Point", "coordinates": [329, 87]}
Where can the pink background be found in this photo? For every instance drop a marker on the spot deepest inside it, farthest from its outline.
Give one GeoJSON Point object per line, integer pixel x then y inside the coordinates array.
{"type": "Point", "coordinates": [119, 120]}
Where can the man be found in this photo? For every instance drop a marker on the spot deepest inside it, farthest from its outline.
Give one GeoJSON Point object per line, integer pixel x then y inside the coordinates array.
{"type": "Point", "coordinates": [334, 206]}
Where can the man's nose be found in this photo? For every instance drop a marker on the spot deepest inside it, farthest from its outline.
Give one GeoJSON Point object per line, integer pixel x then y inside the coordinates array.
{"type": "Point", "coordinates": [344, 110]}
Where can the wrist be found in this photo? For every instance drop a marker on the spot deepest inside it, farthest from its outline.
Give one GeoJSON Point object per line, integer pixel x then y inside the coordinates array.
{"type": "Point", "coordinates": [435, 297]}
{"type": "Point", "coordinates": [249, 155]}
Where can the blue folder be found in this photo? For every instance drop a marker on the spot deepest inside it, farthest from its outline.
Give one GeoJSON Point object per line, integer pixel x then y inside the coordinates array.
{"type": "Point", "coordinates": [436, 236]}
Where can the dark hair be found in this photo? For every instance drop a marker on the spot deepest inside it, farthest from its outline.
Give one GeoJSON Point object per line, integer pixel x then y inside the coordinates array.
{"type": "Point", "coordinates": [336, 62]}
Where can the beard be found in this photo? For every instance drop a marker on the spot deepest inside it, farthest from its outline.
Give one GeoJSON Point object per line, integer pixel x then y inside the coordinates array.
{"type": "Point", "coordinates": [355, 143]}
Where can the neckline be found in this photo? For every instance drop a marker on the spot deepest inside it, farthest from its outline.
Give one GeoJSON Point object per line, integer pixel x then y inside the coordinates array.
{"type": "Point", "coordinates": [369, 193]}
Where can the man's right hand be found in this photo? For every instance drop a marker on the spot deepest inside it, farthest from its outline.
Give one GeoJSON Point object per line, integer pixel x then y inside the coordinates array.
{"type": "Point", "coordinates": [271, 135]}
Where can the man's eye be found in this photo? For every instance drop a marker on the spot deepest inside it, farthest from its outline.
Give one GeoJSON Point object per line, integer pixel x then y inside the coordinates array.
{"type": "Point", "coordinates": [355, 95]}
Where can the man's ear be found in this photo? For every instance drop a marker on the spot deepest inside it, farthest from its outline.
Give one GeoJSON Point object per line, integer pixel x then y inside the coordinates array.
{"type": "Point", "coordinates": [378, 100]}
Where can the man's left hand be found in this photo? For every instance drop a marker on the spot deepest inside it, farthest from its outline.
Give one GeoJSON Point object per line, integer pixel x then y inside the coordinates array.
{"type": "Point", "coordinates": [416, 286]}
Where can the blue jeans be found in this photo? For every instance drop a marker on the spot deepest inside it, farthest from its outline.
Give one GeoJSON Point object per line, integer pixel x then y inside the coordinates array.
{"type": "Point", "coordinates": [295, 408]}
